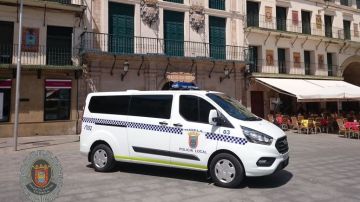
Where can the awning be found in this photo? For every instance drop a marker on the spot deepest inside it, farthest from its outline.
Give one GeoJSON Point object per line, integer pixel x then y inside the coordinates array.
{"type": "Point", "coordinates": [313, 90]}
{"type": "Point", "coordinates": [57, 84]}
{"type": "Point", "coordinates": [5, 83]}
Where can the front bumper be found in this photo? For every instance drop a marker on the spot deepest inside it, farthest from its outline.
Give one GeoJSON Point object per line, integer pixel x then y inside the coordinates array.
{"type": "Point", "coordinates": [253, 170]}
{"type": "Point", "coordinates": [282, 165]}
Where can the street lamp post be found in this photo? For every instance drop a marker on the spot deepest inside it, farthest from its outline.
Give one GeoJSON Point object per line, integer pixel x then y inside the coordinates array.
{"type": "Point", "coordinates": [18, 71]}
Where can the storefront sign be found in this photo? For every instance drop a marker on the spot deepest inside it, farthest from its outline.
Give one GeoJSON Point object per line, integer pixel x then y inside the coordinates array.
{"type": "Point", "coordinates": [180, 77]}
{"type": "Point", "coordinates": [57, 84]}
{"type": "Point", "coordinates": [5, 83]}
{"type": "Point", "coordinates": [268, 14]}
{"type": "Point", "coordinates": [30, 39]}
{"type": "Point", "coordinates": [295, 17]}
{"type": "Point", "coordinates": [1, 105]}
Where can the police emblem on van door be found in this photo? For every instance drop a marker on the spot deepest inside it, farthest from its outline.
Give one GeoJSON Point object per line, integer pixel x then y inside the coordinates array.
{"type": "Point", "coordinates": [193, 139]}
{"type": "Point", "coordinates": [41, 176]}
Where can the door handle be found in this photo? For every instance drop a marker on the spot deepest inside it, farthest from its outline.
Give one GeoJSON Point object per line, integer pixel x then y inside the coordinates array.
{"type": "Point", "coordinates": [163, 123]}
{"type": "Point", "coordinates": [178, 125]}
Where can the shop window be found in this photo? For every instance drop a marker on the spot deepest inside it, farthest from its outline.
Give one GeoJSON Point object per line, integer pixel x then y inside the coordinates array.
{"type": "Point", "coordinates": [5, 99]}
{"type": "Point", "coordinates": [57, 100]}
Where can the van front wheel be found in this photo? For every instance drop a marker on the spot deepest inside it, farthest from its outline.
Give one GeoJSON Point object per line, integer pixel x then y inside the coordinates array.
{"type": "Point", "coordinates": [102, 158]}
{"type": "Point", "coordinates": [226, 170]}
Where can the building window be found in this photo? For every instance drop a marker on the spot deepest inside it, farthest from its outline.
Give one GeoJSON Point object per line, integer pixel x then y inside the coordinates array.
{"type": "Point", "coordinates": [347, 33]}
{"type": "Point", "coordinates": [6, 42]}
{"type": "Point", "coordinates": [330, 64]}
{"type": "Point", "coordinates": [306, 22]}
{"type": "Point", "coordinates": [281, 61]}
{"type": "Point", "coordinates": [58, 45]}
{"type": "Point", "coordinates": [253, 51]}
{"type": "Point", "coordinates": [57, 100]}
{"type": "Point", "coordinates": [328, 26]}
{"type": "Point", "coordinates": [121, 28]}
{"type": "Point", "coordinates": [346, 2]}
{"type": "Point", "coordinates": [217, 37]}
{"type": "Point", "coordinates": [252, 10]}
{"type": "Point", "coordinates": [217, 4]}
{"type": "Point", "coordinates": [358, 4]}
{"type": "Point", "coordinates": [307, 62]}
{"type": "Point", "coordinates": [174, 33]}
{"type": "Point", "coordinates": [281, 16]}
{"type": "Point", "coordinates": [176, 1]}
{"type": "Point", "coordinates": [5, 99]}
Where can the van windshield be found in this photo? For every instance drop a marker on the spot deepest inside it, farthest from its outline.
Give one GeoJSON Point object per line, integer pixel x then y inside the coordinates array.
{"type": "Point", "coordinates": [233, 107]}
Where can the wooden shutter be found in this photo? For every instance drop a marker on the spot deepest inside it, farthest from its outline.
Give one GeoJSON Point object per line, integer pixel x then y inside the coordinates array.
{"type": "Point", "coordinates": [121, 28]}
{"type": "Point", "coordinates": [217, 37]}
{"type": "Point", "coordinates": [174, 33]}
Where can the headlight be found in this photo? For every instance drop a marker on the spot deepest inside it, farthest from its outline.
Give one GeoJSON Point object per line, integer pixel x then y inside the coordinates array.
{"type": "Point", "coordinates": [256, 136]}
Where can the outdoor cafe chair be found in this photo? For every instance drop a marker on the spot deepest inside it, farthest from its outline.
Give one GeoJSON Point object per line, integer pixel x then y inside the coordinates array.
{"type": "Point", "coordinates": [317, 125]}
{"type": "Point", "coordinates": [295, 124]}
{"type": "Point", "coordinates": [342, 128]}
{"type": "Point", "coordinates": [284, 124]}
{"type": "Point", "coordinates": [309, 127]}
{"type": "Point", "coordinates": [355, 133]}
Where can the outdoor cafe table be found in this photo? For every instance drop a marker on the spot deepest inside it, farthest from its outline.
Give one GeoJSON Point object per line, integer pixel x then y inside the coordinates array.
{"type": "Point", "coordinates": [352, 125]}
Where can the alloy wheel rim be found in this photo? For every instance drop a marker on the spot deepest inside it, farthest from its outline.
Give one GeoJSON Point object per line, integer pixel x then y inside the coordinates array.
{"type": "Point", "coordinates": [100, 158]}
{"type": "Point", "coordinates": [225, 171]}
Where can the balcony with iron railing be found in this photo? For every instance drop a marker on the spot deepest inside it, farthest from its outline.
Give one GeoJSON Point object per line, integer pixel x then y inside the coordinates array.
{"type": "Point", "coordinates": [292, 26]}
{"type": "Point", "coordinates": [68, 2]}
{"type": "Point", "coordinates": [124, 45]}
{"type": "Point", "coordinates": [70, 5]}
{"type": "Point", "coordinates": [291, 68]}
{"type": "Point", "coordinates": [38, 57]}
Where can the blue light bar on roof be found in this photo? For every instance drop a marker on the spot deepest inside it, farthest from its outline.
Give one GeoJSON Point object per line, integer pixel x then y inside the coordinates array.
{"type": "Point", "coordinates": [184, 86]}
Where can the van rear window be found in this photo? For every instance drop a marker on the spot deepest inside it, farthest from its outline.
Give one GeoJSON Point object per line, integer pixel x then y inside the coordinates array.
{"type": "Point", "coordinates": [117, 105]}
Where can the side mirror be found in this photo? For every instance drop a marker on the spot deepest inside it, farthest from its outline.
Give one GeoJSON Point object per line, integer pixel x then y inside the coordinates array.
{"type": "Point", "coordinates": [213, 117]}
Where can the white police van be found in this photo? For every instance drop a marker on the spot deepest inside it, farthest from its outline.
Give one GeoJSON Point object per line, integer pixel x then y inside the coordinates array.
{"type": "Point", "coordinates": [200, 130]}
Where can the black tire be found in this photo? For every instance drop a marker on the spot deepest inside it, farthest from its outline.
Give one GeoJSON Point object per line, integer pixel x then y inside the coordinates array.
{"type": "Point", "coordinates": [103, 150]}
{"type": "Point", "coordinates": [239, 171]}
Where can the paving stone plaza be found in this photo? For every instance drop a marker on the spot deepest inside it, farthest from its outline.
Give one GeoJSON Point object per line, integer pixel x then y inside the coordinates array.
{"type": "Point", "coordinates": [323, 167]}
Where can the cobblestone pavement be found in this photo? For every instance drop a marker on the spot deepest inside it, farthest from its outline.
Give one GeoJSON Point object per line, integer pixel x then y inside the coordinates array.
{"type": "Point", "coordinates": [322, 167]}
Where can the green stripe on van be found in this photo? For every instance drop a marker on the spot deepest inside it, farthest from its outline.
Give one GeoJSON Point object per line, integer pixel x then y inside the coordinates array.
{"type": "Point", "coordinates": [150, 160]}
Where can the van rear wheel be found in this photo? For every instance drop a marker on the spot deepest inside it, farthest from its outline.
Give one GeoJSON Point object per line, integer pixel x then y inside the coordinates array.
{"type": "Point", "coordinates": [102, 158]}
{"type": "Point", "coordinates": [226, 170]}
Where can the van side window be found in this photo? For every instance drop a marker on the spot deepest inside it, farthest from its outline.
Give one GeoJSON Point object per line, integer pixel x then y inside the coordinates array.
{"type": "Point", "coordinates": [155, 106]}
{"type": "Point", "coordinates": [117, 105]}
{"type": "Point", "coordinates": [195, 109]}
